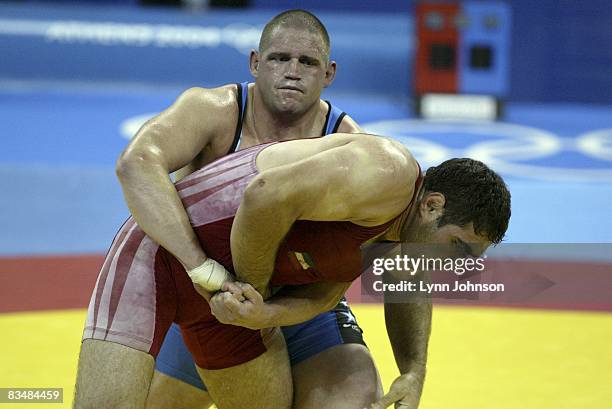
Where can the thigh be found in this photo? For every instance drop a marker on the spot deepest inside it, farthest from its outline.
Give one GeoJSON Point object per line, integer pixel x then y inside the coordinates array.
{"type": "Point", "coordinates": [130, 310]}
{"type": "Point", "coordinates": [167, 392]}
{"type": "Point", "coordinates": [261, 383]}
{"type": "Point", "coordinates": [331, 364]}
{"type": "Point", "coordinates": [341, 377]}
{"type": "Point", "coordinates": [176, 383]}
{"type": "Point", "coordinates": [112, 376]}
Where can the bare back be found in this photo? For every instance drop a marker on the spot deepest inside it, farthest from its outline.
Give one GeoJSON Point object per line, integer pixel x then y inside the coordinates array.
{"type": "Point", "coordinates": [366, 179]}
{"type": "Point", "coordinates": [293, 151]}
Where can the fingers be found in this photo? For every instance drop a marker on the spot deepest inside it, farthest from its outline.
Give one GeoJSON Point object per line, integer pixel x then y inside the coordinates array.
{"type": "Point", "coordinates": [242, 291]}
{"type": "Point", "coordinates": [225, 308]}
{"type": "Point", "coordinates": [381, 403]}
{"type": "Point", "coordinates": [387, 400]}
{"type": "Point", "coordinates": [230, 302]}
{"type": "Point", "coordinates": [234, 288]}
{"type": "Point", "coordinates": [250, 293]}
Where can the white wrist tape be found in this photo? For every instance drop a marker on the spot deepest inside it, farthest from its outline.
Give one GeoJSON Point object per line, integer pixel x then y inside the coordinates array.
{"type": "Point", "coordinates": [210, 275]}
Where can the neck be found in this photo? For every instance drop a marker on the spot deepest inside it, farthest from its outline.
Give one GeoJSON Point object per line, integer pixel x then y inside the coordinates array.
{"type": "Point", "coordinates": [404, 220]}
{"type": "Point", "coordinates": [273, 126]}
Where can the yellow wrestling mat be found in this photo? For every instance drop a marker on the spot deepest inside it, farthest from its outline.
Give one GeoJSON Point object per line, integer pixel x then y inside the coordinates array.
{"type": "Point", "coordinates": [479, 357]}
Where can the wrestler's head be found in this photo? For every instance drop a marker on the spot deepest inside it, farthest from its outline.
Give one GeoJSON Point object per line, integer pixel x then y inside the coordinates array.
{"type": "Point", "coordinates": [292, 65]}
{"type": "Point", "coordinates": [463, 204]}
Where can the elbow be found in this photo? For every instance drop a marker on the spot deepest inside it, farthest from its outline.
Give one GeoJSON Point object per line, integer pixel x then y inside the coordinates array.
{"type": "Point", "coordinates": [331, 304]}
{"type": "Point", "coordinates": [266, 196]}
{"type": "Point", "coordinates": [261, 192]}
{"type": "Point", "coordinates": [126, 165]}
{"type": "Point", "coordinates": [133, 163]}
{"type": "Point", "coordinates": [334, 301]}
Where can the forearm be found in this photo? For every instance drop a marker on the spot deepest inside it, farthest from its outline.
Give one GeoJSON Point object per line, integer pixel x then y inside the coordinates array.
{"type": "Point", "coordinates": [158, 210]}
{"type": "Point", "coordinates": [294, 305]}
{"type": "Point", "coordinates": [408, 322]}
{"type": "Point", "coordinates": [408, 327]}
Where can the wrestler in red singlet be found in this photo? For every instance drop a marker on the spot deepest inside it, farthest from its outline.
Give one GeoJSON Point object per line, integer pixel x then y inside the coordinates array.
{"type": "Point", "coordinates": [142, 288]}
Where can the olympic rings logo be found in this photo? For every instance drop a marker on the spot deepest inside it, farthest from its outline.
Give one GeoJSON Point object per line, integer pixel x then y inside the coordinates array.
{"type": "Point", "coordinates": [511, 149]}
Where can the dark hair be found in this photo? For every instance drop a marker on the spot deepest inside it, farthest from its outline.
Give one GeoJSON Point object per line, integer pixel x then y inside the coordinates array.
{"type": "Point", "coordinates": [474, 193]}
{"type": "Point", "coordinates": [295, 18]}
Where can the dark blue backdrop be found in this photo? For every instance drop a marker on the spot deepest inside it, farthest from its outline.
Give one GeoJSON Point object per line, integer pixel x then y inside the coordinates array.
{"type": "Point", "coordinates": [561, 49]}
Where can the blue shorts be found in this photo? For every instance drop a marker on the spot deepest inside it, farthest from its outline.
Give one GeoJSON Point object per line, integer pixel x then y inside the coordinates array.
{"type": "Point", "coordinates": [324, 331]}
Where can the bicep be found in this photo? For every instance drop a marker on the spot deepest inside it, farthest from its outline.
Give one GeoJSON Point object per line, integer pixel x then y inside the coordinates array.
{"type": "Point", "coordinates": [178, 134]}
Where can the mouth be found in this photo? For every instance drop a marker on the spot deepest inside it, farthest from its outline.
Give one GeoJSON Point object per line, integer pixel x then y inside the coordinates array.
{"type": "Point", "coordinates": [291, 88]}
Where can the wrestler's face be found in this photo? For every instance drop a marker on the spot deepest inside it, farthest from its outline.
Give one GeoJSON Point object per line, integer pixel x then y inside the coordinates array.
{"type": "Point", "coordinates": [453, 240]}
{"type": "Point", "coordinates": [292, 70]}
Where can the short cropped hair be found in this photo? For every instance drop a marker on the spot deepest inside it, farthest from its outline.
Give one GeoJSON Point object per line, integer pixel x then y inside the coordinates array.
{"type": "Point", "coordinates": [474, 193]}
{"type": "Point", "coordinates": [298, 19]}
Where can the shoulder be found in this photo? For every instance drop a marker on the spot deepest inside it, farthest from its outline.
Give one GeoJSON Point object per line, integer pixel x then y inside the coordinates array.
{"type": "Point", "coordinates": [206, 111]}
{"type": "Point", "coordinates": [222, 97]}
{"type": "Point", "coordinates": [384, 174]}
{"type": "Point", "coordinates": [382, 149]}
{"type": "Point", "coordinates": [373, 169]}
{"type": "Point", "coordinates": [348, 125]}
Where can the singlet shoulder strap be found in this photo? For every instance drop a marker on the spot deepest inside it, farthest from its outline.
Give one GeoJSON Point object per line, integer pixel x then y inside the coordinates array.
{"type": "Point", "coordinates": [333, 119]}
{"type": "Point", "coordinates": [241, 99]}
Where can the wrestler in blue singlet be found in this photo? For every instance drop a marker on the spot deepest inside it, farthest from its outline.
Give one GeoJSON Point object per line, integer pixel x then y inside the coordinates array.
{"type": "Point", "coordinates": [304, 340]}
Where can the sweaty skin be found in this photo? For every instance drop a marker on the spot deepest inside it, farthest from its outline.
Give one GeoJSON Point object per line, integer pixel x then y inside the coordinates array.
{"type": "Point", "coordinates": [198, 128]}
{"type": "Point", "coordinates": [363, 179]}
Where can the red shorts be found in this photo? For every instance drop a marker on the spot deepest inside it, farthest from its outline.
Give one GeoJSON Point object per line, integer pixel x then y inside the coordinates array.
{"type": "Point", "coordinates": [142, 289]}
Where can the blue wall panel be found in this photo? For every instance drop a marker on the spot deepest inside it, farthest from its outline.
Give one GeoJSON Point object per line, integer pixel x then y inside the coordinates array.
{"type": "Point", "coordinates": [561, 50]}
{"type": "Point", "coordinates": [495, 80]}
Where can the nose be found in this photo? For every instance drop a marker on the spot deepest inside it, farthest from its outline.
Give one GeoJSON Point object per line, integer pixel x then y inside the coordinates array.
{"type": "Point", "coordinates": [293, 69]}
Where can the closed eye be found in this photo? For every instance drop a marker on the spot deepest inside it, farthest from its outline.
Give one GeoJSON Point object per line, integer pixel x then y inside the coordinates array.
{"type": "Point", "coordinates": [464, 248]}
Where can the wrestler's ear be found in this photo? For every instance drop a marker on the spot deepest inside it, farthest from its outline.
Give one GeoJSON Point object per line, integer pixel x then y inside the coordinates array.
{"type": "Point", "coordinates": [330, 73]}
{"type": "Point", "coordinates": [254, 63]}
{"type": "Point", "coordinates": [431, 206]}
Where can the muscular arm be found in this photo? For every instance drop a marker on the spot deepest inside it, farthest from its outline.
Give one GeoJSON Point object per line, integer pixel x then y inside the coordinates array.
{"type": "Point", "coordinates": [294, 305]}
{"type": "Point", "coordinates": [363, 181]}
{"type": "Point", "coordinates": [408, 327]}
{"type": "Point", "coordinates": [164, 144]}
{"type": "Point", "coordinates": [290, 306]}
